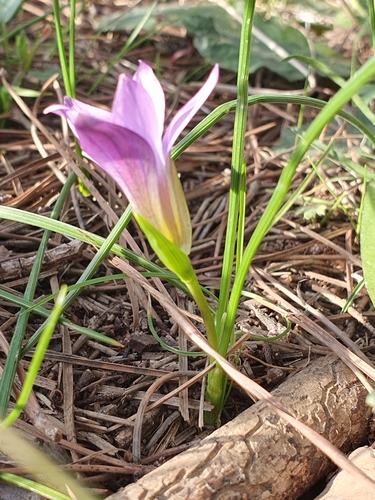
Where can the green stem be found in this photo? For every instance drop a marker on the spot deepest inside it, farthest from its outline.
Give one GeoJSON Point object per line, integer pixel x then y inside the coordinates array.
{"type": "Point", "coordinates": [372, 20]}
{"type": "Point", "coordinates": [238, 170]}
{"type": "Point", "coordinates": [208, 319]}
{"type": "Point", "coordinates": [60, 48]}
{"type": "Point", "coordinates": [217, 379]}
{"type": "Point", "coordinates": [72, 31]}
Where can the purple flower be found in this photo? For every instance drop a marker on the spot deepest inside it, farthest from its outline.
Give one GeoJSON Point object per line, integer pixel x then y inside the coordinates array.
{"type": "Point", "coordinates": [128, 143]}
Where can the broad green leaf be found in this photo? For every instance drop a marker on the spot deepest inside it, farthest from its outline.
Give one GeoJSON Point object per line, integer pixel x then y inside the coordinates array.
{"type": "Point", "coordinates": [288, 138]}
{"type": "Point", "coordinates": [367, 93]}
{"type": "Point", "coordinates": [312, 210]}
{"type": "Point", "coordinates": [125, 21]}
{"type": "Point", "coordinates": [7, 9]}
{"type": "Point", "coordinates": [216, 35]}
{"type": "Point", "coordinates": [339, 64]}
{"type": "Point", "coordinates": [368, 240]}
{"type": "Point", "coordinates": [43, 75]}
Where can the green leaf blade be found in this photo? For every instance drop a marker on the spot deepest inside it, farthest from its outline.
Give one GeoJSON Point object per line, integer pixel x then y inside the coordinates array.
{"type": "Point", "coordinates": [368, 240]}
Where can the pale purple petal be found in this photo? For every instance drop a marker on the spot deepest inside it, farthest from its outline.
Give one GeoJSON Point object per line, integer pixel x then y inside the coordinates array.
{"type": "Point", "coordinates": [127, 143]}
{"type": "Point", "coordinates": [146, 77]}
{"type": "Point", "coordinates": [124, 155]}
{"type": "Point", "coordinates": [185, 114]}
{"type": "Point", "coordinates": [131, 162]}
{"type": "Point", "coordinates": [139, 106]}
{"type": "Point", "coordinates": [72, 109]}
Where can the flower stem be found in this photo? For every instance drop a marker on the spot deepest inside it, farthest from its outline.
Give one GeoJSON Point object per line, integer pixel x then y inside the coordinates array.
{"type": "Point", "coordinates": [216, 378]}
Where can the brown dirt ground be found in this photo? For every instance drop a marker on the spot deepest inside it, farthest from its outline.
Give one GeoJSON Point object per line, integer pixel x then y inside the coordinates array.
{"type": "Point", "coordinates": [92, 391]}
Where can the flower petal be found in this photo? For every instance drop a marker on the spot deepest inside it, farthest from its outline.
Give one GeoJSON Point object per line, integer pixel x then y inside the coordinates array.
{"type": "Point", "coordinates": [179, 210]}
{"type": "Point", "coordinates": [72, 108]}
{"type": "Point", "coordinates": [124, 155]}
{"type": "Point", "coordinates": [139, 105]}
{"type": "Point", "coordinates": [153, 189]}
{"type": "Point", "coordinates": [146, 77]}
{"type": "Point", "coordinates": [185, 114]}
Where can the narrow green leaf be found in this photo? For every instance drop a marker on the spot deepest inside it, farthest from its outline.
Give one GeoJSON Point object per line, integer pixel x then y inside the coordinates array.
{"type": "Point", "coordinates": [368, 240]}
{"type": "Point", "coordinates": [61, 485]}
{"type": "Point", "coordinates": [360, 78]}
{"type": "Point", "coordinates": [45, 313]}
{"type": "Point", "coordinates": [34, 487]}
{"type": "Point", "coordinates": [36, 360]}
{"type": "Point", "coordinates": [70, 231]}
{"type": "Point", "coordinates": [10, 366]}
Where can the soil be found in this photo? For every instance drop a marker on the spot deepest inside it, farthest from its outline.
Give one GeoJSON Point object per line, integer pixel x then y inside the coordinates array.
{"type": "Point", "coordinates": [89, 392]}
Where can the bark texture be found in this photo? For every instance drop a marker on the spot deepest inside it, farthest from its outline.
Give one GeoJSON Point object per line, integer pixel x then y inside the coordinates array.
{"type": "Point", "coordinates": [258, 456]}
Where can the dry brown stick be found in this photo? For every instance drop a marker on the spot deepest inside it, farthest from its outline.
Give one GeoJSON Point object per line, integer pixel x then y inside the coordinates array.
{"type": "Point", "coordinates": [199, 376]}
{"type": "Point", "coordinates": [29, 429]}
{"type": "Point", "coordinates": [353, 357]}
{"type": "Point", "coordinates": [21, 266]}
{"type": "Point", "coordinates": [316, 236]}
{"type": "Point", "coordinates": [175, 392]}
{"type": "Point", "coordinates": [359, 365]}
{"type": "Point", "coordinates": [137, 434]}
{"type": "Point", "coordinates": [285, 254]}
{"type": "Point", "coordinates": [103, 365]}
{"type": "Point", "coordinates": [183, 366]}
{"type": "Point", "coordinates": [27, 170]}
{"type": "Point", "coordinates": [68, 403]}
{"type": "Point", "coordinates": [32, 408]}
{"type": "Point", "coordinates": [331, 297]}
{"type": "Point", "coordinates": [113, 469]}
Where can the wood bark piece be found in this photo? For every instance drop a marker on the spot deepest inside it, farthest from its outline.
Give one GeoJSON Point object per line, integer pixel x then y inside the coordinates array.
{"type": "Point", "coordinates": [257, 455]}
{"type": "Point", "coordinates": [21, 266]}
